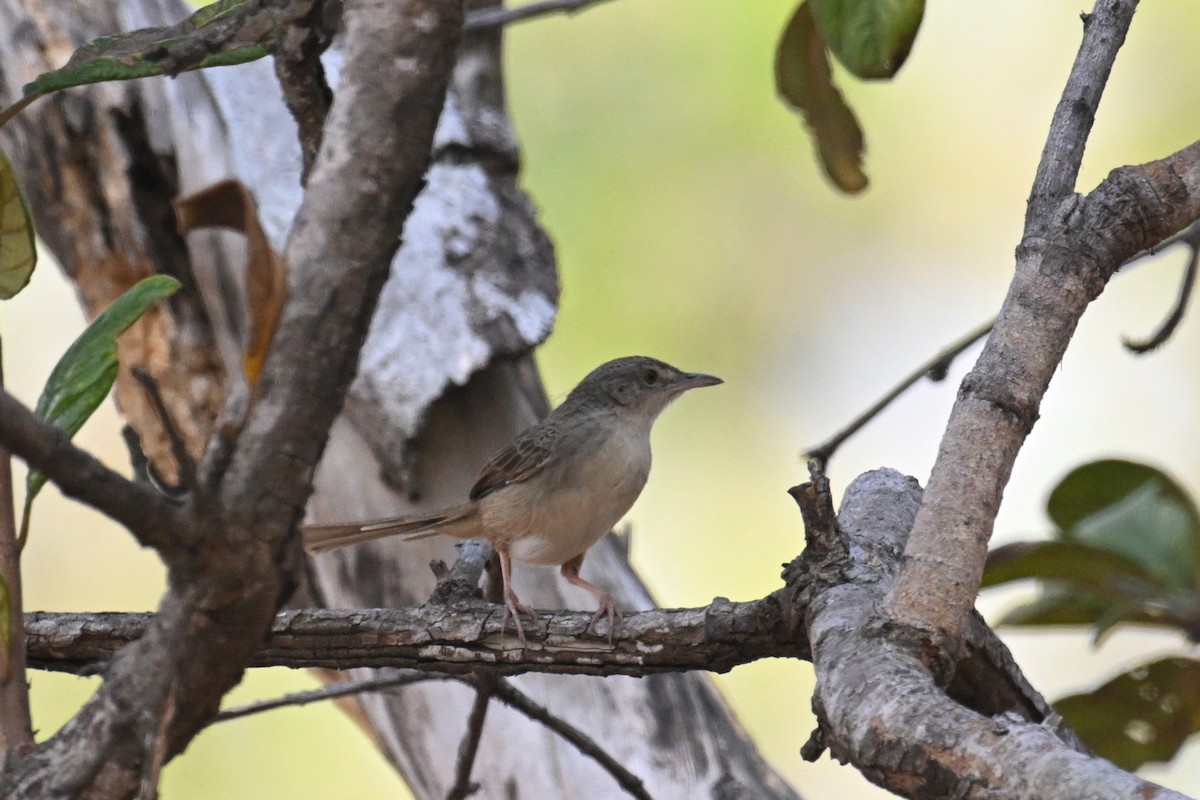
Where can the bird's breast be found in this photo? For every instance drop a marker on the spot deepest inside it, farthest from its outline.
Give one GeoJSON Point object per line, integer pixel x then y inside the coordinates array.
{"type": "Point", "coordinates": [572, 502]}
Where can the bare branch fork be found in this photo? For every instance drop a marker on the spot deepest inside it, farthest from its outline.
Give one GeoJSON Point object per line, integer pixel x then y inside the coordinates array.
{"type": "Point", "coordinates": [882, 650]}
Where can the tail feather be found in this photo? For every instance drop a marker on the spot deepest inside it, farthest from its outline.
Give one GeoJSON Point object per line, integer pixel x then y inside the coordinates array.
{"type": "Point", "coordinates": [451, 522]}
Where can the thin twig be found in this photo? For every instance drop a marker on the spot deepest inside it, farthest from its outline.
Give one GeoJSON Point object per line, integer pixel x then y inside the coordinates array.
{"type": "Point", "coordinates": [493, 17]}
{"type": "Point", "coordinates": [302, 77]}
{"type": "Point", "coordinates": [1058, 167]}
{"type": "Point", "coordinates": [935, 369]}
{"type": "Point", "coordinates": [1168, 326]}
{"type": "Point", "coordinates": [514, 698]}
{"type": "Point", "coordinates": [179, 451]}
{"type": "Point", "coordinates": [16, 728]}
{"type": "Point", "coordinates": [329, 691]}
{"type": "Point", "coordinates": [485, 687]}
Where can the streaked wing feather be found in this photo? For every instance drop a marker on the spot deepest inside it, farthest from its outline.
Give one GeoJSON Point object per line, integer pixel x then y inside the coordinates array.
{"type": "Point", "coordinates": [518, 462]}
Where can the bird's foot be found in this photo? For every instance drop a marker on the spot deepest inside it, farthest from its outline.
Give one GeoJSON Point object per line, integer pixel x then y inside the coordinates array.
{"type": "Point", "coordinates": [608, 608]}
{"type": "Point", "coordinates": [515, 608]}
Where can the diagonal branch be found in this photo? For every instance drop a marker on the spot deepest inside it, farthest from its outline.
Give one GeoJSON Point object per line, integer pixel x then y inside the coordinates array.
{"type": "Point", "coordinates": [497, 16]}
{"type": "Point", "coordinates": [485, 687]}
{"type": "Point", "coordinates": [330, 691]}
{"type": "Point", "coordinates": [1058, 168]}
{"type": "Point", "coordinates": [1069, 251]}
{"type": "Point", "coordinates": [506, 693]}
{"type": "Point", "coordinates": [146, 513]}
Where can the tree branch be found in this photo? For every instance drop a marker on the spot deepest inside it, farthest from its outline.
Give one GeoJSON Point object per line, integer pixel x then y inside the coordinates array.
{"type": "Point", "coordinates": [513, 698]}
{"type": "Point", "coordinates": [1104, 33]}
{"type": "Point", "coordinates": [469, 746]}
{"type": "Point", "coordinates": [222, 599]}
{"type": "Point", "coordinates": [878, 706]}
{"type": "Point", "coordinates": [495, 17]}
{"type": "Point", "coordinates": [456, 639]}
{"type": "Point", "coordinates": [146, 513]}
{"type": "Point", "coordinates": [1066, 257]}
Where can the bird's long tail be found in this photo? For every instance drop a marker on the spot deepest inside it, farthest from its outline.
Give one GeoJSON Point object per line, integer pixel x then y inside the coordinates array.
{"type": "Point", "coordinates": [458, 521]}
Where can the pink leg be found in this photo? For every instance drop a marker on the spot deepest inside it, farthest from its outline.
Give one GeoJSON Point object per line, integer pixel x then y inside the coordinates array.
{"type": "Point", "coordinates": [608, 608]}
{"type": "Point", "coordinates": [512, 606]}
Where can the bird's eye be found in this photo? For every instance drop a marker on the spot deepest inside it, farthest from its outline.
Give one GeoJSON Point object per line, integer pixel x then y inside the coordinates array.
{"type": "Point", "coordinates": [651, 377]}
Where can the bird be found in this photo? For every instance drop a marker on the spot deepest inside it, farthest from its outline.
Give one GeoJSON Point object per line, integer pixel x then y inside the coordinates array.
{"type": "Point", "coordinates": [558, 488]}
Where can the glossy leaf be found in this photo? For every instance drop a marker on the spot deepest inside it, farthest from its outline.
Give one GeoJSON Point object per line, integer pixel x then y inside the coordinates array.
{"type": "Point", "coordinates": [871, 38]}
{"type": "Point", "coordinates": [84, 375]}
{"type": "Point", "coordinates": [18, 249]}
{"type": "Point", "coordinates": [1144, 715]}
{"type": "Point", "coordinates": [804, 81]}
{"type": "Point", "coordinates": [1133, 510]}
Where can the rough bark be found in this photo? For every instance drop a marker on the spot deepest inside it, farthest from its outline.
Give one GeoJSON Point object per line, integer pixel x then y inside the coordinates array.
{"type": "Point", "coordinates": [235, 557]}
{"type": "Point", "coordinates": [102, 165]}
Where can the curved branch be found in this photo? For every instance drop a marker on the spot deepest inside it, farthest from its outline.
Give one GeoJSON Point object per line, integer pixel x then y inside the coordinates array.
{"type": "Point", "coordinates": [146, 513]}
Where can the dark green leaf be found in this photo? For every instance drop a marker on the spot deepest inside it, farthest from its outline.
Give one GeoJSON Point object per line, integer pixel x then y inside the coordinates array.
{"type": "Point", "coordinates": [1133, 510]}
{"type": "Point", "coordinates": [1144, 715]}
{"type": "Point", "coordinates": [18, 250]}
{"type": "Point", "coordinates": [1102, 571]}
{"type": "Point", "coordinates": [1058, 606]}
{"type": "Point", "coordinates": [803, 79]}
{"type": "Point", "coordinates": [220, 34]}
{"type": "Point", "coordinates": [871, 38]}
{"type": "Point", "coordinates": [85, 373]}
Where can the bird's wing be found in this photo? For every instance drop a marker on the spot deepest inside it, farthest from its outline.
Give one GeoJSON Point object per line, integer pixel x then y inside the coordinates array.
{"type": "Point", "coordinates": [518, 462]}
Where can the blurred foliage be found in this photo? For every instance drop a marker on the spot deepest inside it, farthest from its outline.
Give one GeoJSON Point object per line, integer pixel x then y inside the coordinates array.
{"type": "Point", "coordinates": [1124, 550]}
{"type": "Point", "coordinates": [1144, 715]}
{"type": "Point", "coordinates": [18, 249]}
{"type": "Point", "coordinates": [871, 38]}
{"type": "Point", "coordinates": [86, 372]}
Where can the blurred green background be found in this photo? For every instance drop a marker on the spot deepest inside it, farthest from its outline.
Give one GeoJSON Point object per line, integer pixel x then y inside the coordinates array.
{"type": "Point", "coordinates": [692, 224]}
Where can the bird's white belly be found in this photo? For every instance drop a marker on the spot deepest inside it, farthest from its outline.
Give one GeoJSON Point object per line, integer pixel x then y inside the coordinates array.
{"type": "Point", "coordinates": [560, 513]}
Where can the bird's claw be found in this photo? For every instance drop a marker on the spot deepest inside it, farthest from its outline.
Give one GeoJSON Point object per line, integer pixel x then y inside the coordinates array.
{"type": "Point", "coordinates": [515, 608]}
{"type": "Point", "coordinates": [608, 608]}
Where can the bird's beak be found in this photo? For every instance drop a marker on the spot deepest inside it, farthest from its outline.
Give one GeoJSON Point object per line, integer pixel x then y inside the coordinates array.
{"type": "Point", "coordinates": [694, 380]}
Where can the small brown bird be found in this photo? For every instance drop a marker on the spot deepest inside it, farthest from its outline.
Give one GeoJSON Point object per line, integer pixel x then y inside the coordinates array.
{"type": "Point", "coordinates": [557, 489]}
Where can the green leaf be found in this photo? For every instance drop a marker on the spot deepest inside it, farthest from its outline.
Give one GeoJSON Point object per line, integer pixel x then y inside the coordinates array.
{"type": "Point", "coordinates": [871, 38]}
{"type": "Point", "coordinates": [221, 34]}
{"type": "Point", "coordinates": [804, 81]}
{"type": "Point", "coordinates": [1104, 572]}
{"type": "Point", "coordinates": [1144, 715]}
{"type": "Point", "coordinates": [18, 250]}
{"type": "Point", "coordinates": [1058, 606]}
{"type": "Point", "coordinates": [1132, 510]}
{"type": "Point", "coordinates": [85, 373]}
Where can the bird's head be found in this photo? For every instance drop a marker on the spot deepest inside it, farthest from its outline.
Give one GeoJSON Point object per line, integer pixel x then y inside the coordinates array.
{"type": "Point", "coordinates": [638, 383]}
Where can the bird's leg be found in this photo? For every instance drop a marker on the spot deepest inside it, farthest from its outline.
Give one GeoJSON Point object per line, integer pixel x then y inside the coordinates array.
{"type": "Point", "coordinates": [608, 608]}
{"type": "Point", "coordinates": [512, 606]}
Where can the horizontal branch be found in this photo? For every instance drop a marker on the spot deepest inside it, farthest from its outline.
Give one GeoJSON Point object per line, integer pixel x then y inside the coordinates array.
{"type": "Point", "coordinates": [457, 639]}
